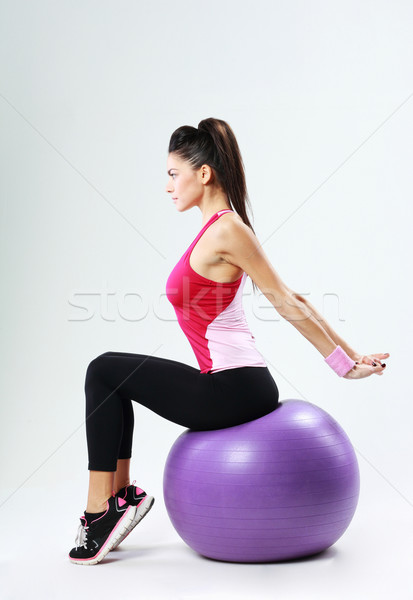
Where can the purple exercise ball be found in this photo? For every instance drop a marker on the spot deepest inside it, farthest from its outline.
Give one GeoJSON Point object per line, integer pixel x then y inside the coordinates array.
{"type": "Point", "coordinates": [280, 487]}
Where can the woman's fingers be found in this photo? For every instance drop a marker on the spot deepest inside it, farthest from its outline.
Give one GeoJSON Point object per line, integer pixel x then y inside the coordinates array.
{"type": "Point", "coordinates": [374, 367]}
{"type": "Point", "coordinates": [365, 368]}
{"type": "Point", "coordinates": [380, 356]}
{"type": "Point", "coordinates": [374, 359]}
{"type": "Point", "coordinates": [368, 359]}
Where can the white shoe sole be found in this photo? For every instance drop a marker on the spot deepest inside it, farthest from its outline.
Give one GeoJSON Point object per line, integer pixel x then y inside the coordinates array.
{"type": "Point", "coordinates": [141, 510]}
{"type": "Point", "coordinates": [118, 532]}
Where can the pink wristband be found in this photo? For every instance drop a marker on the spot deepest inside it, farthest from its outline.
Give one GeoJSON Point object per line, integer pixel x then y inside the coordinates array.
{"type": "Point", "coordinates": [339, 361]}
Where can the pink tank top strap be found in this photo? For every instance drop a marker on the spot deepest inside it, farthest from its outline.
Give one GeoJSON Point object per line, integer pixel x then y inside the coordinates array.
{"type": "Point", "coordinates": [207, 224]}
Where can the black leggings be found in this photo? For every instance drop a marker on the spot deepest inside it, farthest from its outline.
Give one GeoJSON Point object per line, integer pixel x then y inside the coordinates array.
{"type": "Point", "coordinates": [174, 390]}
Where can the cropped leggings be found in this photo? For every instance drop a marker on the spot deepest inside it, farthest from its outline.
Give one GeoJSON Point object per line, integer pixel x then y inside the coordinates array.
{"type": "Point", "coordinates": [173, 390]}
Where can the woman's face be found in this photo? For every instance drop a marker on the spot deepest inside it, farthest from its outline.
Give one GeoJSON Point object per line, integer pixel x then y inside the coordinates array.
{"type": "Point", "coordinates": [184, 184]}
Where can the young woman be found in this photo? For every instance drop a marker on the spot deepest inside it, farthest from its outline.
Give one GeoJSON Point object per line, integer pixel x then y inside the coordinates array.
{"type": "Point", "coordinates": [233, 384]}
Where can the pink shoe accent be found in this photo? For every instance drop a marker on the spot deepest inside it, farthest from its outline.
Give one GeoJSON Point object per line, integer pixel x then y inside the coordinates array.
{"type": "Point", "coordinates": [139, 491]}
{"type": "Point", "coordinates": [93, 520]}
{"type": "Point", "coordinates": [121, 501]}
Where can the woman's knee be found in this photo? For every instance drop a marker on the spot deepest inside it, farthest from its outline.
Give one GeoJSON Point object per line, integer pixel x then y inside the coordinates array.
{"type": "Point", "coordinates": [96, 368]}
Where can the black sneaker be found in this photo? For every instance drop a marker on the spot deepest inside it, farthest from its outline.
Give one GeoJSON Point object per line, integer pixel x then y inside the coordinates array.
{"type": "Point", "coordinates": [134, 496]}
{"type": "Point", "coordinates": [95, 539]}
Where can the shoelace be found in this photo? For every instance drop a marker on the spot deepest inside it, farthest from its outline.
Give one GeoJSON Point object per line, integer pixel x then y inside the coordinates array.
{"type": "Point", "coordinates": [81, 538]}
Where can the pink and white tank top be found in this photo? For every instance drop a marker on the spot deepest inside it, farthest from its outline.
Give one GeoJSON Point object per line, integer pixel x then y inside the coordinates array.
{"type": "Point", "coordinates": [212, 316]}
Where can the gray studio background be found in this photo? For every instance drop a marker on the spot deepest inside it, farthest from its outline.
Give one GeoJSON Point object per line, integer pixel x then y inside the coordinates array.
{"type": "Point", "coordinates": [319, 95]}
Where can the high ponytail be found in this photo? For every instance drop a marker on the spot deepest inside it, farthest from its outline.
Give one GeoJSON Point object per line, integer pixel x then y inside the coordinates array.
{"type": "Point", "coordinates": [215, 144]}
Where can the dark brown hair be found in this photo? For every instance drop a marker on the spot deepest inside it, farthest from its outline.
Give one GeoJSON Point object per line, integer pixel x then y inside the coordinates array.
{"type": "Point", "coordinates": [215, 144]}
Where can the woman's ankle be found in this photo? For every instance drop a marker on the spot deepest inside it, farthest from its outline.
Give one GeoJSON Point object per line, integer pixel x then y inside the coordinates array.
{"type": "Point", "coordinates": [119, 486]}
{"type": "Point", "coordinates": [122, 474]}
{"type": "Point", "coordinates": [100, 490]}
{"type": "Point", "coordinates": [96, 506]}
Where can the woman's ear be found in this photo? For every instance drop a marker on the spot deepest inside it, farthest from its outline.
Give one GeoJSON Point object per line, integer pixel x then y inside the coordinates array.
{"type": "Point", "coordinates": [207, 174]}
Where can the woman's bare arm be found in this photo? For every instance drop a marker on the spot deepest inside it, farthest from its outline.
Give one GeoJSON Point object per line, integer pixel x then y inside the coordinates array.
{"type": "Point", "coordinates": [239, 246]}
{"type": "Point", "coordinates": [327, 327]}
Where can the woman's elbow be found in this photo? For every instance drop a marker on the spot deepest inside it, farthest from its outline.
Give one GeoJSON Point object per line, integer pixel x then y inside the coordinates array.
{"type": "Point", "coordinates": [293, 308]}
{"type": "Point", "coordinates": [286, 303]}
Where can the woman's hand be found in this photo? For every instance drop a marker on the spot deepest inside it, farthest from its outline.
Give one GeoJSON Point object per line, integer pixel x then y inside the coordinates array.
{"type": "Point", "coordinates": [366, 365]}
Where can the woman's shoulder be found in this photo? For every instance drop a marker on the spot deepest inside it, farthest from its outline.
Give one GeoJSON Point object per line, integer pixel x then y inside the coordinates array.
{"type": "Point", "coordinates": [230, 224]}
{"type": "Point", "coordinates": [230, 221]}
{"type": "Point", "coordinates": [231, 231]}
